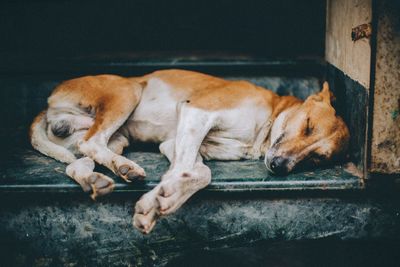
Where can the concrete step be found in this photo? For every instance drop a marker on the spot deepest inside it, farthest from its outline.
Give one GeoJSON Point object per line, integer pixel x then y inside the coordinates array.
{"type": "Point", "coordinates": [48, 221]}
{"type": "Point", "coordinates": [25, 170]}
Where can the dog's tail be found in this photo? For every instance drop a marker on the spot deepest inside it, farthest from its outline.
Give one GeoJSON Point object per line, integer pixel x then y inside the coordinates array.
{"type": "Point", "coordinates": [40, 141]}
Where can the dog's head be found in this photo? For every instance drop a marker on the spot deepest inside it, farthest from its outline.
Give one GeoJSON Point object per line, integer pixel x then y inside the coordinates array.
{"type": "Point", "coordinates": [307, 134]}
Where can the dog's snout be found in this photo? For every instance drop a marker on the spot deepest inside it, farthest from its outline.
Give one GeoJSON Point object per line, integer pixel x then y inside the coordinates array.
{"type": "Point", "coordinates": [279, 165]}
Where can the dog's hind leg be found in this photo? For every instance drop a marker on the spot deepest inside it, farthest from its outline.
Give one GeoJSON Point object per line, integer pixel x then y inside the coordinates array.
{"type": "Point", "coordinates": [40, 141]}
{"type": "Point", "coordinates": [167, 148]}
{"type": "Point", "coordinates": [119, 141]}
{"type": "Point", "coordinates": [111, 113]}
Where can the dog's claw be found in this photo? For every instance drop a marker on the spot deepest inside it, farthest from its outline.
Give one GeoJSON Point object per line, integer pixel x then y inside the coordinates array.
{"type": "Point", "coordinates": [123, 169]}
{"type": "Point", "coordinates": [128, 170]}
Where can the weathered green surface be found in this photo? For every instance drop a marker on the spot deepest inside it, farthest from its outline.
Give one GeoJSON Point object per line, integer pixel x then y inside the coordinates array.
{"type": "Point", "coordinates": [24, 170]}
{"type": "Point", "coordinates": [27, 170]}
{"type": "Point", "coordinates": [74, 231]}
{"type": "Point", "coordinates": [55, 228]}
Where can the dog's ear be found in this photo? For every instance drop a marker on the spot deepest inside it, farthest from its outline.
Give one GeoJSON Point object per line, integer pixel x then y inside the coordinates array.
{"type": "Point", "coordinates": [326, 95]}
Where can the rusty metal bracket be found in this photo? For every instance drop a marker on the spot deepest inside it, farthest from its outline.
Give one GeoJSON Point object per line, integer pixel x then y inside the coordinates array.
{"type": "Point", "coordinates": [361, 31]}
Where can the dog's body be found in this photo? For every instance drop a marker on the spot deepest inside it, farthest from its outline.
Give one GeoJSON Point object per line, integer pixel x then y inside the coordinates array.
{"type": "Point", "coordinates": [192, 116]}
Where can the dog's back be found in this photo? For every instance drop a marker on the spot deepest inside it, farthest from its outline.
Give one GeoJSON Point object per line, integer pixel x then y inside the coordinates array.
{"type": "Point", "coordinates": [74, 105]}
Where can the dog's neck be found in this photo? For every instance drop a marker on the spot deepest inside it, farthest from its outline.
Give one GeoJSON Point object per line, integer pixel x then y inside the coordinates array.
{"type": "Point", "coordinates": [282, 105]}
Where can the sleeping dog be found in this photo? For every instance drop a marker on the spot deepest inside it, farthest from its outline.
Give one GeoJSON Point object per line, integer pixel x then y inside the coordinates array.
{"type": "Point", "coordinates": [192, 116]}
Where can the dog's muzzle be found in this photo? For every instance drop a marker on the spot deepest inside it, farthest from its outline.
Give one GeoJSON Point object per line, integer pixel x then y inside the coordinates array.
{"type": "Point", "coordinates": [278, 165]}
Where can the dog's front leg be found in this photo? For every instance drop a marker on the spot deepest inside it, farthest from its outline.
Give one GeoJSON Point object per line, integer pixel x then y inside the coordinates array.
{"type": "Point", "coordinates": [187, 173]}
{"type": "Point", "coordinates": [103, 143]}
{"type": "Point", "coordinates": [178, 186]}
{"type": "Point", "coordinates": [81, 170]}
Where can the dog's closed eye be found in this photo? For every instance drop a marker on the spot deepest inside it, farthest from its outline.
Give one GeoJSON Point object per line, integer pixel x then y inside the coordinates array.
{"type": "Point", "coordinates": [309, 129]}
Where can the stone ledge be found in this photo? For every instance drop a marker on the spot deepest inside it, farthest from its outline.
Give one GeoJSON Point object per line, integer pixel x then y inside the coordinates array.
{"type": "Point", "coordinates": [25, 170]}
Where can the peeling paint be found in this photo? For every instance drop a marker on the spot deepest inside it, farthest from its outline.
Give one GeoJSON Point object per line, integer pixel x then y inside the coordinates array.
{"type": "Point", "coordinates": [385, 156]}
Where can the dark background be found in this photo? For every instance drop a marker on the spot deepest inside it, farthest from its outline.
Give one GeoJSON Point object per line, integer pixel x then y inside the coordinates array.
{"type": "Point", "coordinates": [47, 30]}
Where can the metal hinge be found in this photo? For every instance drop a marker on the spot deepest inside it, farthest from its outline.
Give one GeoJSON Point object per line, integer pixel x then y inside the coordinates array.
{"type": "Point", "coordinates": [361, 31]}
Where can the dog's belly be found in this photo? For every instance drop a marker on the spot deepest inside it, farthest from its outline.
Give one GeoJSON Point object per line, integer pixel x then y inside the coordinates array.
{"type": "Point", "coordinates": [155, 118]}
{"type": "Point", "coordinates": [147, 130]}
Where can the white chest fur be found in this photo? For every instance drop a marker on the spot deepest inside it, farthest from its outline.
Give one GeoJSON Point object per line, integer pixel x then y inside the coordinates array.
{"type": "Point", "coordinates": [236, 133]}
{"type": "Point", "coordinates": [233, 137]}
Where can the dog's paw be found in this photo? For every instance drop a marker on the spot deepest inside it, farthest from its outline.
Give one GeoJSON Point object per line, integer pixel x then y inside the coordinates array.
{"type": "Point", "coordinates": [172, 195]}
{"type": "Point", "coordinates": [176, 189]}
{"type": "Point", "coordinates": [127, 169]}
{"type": "Point", "coordinates": [145, 215]}
{"type": "Point", "coordinates": [98, 184]}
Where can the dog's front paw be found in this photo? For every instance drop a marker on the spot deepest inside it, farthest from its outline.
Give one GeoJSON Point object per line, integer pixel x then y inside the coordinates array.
{"type": "Point", "coordinates": [98, 184]}
{"type": "Point", "coordinates": [127, 169]}
{"type": "Point", "coordinates": [173, 194]}
{"type": "Point", "coordinates": [176, 189]}
{"type": "Point", "coordinates": [146, 215]}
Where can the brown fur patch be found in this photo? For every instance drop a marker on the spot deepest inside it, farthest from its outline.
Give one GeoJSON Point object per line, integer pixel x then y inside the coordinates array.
{"type": "Point", "coordinates": [36, 120]}
{"type": "Point", "coordinates": [210, 93]}
{"type": "Point", "coordinates": [112, 97]}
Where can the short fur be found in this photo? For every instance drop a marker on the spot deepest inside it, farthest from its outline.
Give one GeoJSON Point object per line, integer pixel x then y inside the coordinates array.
{"type": "Point", "coordinates": [192, 116]}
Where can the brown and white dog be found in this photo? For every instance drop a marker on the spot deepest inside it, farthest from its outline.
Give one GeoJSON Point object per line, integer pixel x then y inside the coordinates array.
{"type": "Point", "coordinates": [192, 116]}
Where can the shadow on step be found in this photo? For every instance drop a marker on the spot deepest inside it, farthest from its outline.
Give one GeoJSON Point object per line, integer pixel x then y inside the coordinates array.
{"type": "Point", "coordinates": [305, 253]}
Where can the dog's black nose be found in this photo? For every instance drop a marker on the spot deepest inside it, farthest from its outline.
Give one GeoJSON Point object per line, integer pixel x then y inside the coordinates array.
{"type": "Point", "coordinates": [279, 165]}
